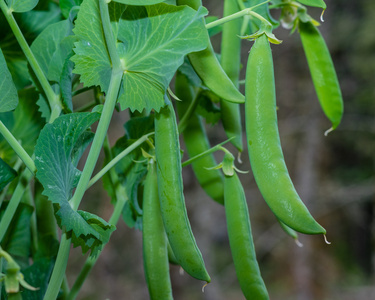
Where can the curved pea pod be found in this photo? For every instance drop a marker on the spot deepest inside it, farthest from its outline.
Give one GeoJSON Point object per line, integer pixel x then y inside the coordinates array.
{"type": "Point", "coordinates": [172, 202]}
{"type": "Point", "coordinates": [322, 72]}
{"type": "Point", "coordinates": [196, 142]}
{"type": "Point", "coordinates": [208, 67]}
{"type": "Point", "coordinates": [241, 240]}
{"type": "Point", "coordinates": [231, 61]}
{"type": "Point", "coordinates": [266, 156]}
{"type": "Point", "coordinates": [155, 253]}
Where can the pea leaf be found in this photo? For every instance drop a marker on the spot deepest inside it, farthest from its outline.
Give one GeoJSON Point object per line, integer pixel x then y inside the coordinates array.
{"type": "Point", "coordinates": [21, 6]}
{"type": "Point", "coordinates": [7, 174]}
{"type": "Point", "coordinates": [314, 3]}
{"type": "Point", "coordinates": [8, 91]}
{"type": "Point", "coordinates": [155, 41]}
{"type": "Point", "coordinates": [146, 35]}
{"type": "Point", "coordinates": [67, 5]}
{"type": "Point", "coordinates": [58, 150]}
{"type": "Point", "coordinates": [139, 2]}
{"type": "Point", "coordinates": [50, 50]}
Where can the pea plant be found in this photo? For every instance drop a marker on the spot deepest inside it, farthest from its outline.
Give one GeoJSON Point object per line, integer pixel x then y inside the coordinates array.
{"type": "Point", "coordinates": [127, 52]}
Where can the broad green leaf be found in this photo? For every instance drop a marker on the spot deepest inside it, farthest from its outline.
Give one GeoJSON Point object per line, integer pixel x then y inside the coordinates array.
{"type": "Point", "coordinates": [155, 40]}
{"type": "Point", "coordinates": [8, 91]}
{"type": "Point", "coordinates": [314, 3]}
{"type": "Point", "coordinates": [66, 84]}
{"type": "Point", "coordinates": [17, 239]}
{"type": "Point", "coordinates": [21, 6]}
{"type": "Point", "coordinates": [25, 124]}
{"type": "Point", "coordinates": [58, 150]}
{"type": "Point", "coordinates": [48, 43]}
{"type": "Point", "coordinates": [7, 174]}
{"type": "Point", "coordinates": [139, 2]}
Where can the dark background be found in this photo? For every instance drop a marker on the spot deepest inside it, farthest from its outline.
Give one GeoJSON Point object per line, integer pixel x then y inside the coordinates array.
{"type": "Point", "coordinates": [334, 175]}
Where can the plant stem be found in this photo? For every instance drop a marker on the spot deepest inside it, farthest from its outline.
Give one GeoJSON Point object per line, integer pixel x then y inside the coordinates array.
{"type": "Point", "coordinates": [59, 269]}
{"type": "Point", "coordinates": [199, 156]}
{"type": "Point", "coordinates": [186, 118]}
{"type": "Point", "coordinates": [22, 154]}
{"type": "Point", "coordinates": [16, 167]}
{"type": "Point", "coordinates": [82, 90]}
{"type": "Point", "coordinates": [115, 160]}
{"type": "Point", "coordinates": [240, 14]}
{"type": "Point", "coordinates": [52, 98]}
{"type": "Point", "coordinates": [14, 202]}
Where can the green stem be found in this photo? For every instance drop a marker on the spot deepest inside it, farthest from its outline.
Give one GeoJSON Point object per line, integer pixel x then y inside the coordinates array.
{"type": "Point", "coordinates": [199, 156]}
{"type": "Point", "coordinates": [86, 106]}
{"type": "Point", "coordinates": [33, 224]}
{"type": "Point", "coordinates": [59, 269]}
{"type": "Point", "coordinates": [186, 118]}
{"type": "Point", "coordinates": [52, 98]}
{"type": "Point", "coordinates": [22, 154]}
{"type": "Point", "coordinates": [14, 202]}
{"type": "Point", "coordinates": [115, 160]}
{"type": "Point", "coordinates": [16, 167]}
{"type": "Point", "coordinates": [240, 14]}
{"type": "Point", "coordinates": [81, 91]}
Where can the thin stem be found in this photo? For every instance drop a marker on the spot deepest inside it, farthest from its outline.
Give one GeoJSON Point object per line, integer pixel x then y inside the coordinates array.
{"type": "Point", "coordinates": [52, 98]}
{"type": "Point", "coordinates": [244, 12]}
{"type": "Point", "coordinates": [86, 106]}
{"type": "Point", "coordinates": [59, 269]}
{"type": "Point", "coordinates": [29, 199]}
{"type": "Point", "coordinates": [115, 160]}
{"type": "Point", "coordinates": [107, 28]}
{"type": "Point", "coordinates": [22, 154]}
{"type": "Point", "coordinates": [186, 118]}
{"type": "Point", "coordinates": [14, 202]}
{"type": "Point", "coordinates": [199, 156]}
{"type": "Point", "coordinates": [82, 90]}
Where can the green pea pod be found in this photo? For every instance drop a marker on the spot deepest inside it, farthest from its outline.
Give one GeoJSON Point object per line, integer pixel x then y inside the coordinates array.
{"type": "Point", "coordinates": [208, 68]}
{"type": "Point", "coordinates": [241, 240]}
{"type": "Point", "coordinates": [322, 72]}
{"type": "Point", "coordinates": [231, 61]}
{"type": "Point", "coordinates": [196, 142]}
{"type": "Point", "coordinates": [155, 253]}
{"type": "Point", "coordinates": [176, 222]}
{"type": "Point", "coordinates": [266, 156]}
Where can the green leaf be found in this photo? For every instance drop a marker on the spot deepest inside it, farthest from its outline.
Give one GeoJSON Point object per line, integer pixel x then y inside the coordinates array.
{"type": "Point", "coordinates": [314, 3]}
{"type": "Point", "coordinates": [17, 239]}
{"type": "Point", "coordinates": [207, 109]}
{"type": "Point", "coordinates": [7, 174]}
{"type": "Point", "coordinates": [25, 124]}
{"type": "Point", "coordinates": [139, 2]}
{"type": "Point", "coordinates": [153, 42]}
{"type": "Point", "coordinates": [22, 6]}
{"type": "Point", "coordinates": [58, 150]}
{"type": "Point", "coordinates": [48, 43]}
{"type": "Point", "coordinates": [66, 85]}
{"type": "Point", "coordinates": [67, 5]}
{"type": "Point", "coordinates": [8, 91]}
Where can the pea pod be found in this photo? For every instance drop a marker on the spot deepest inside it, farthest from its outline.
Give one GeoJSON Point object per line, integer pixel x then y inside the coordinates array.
{"type": "Point", "coordinates": [208, 68]}
{"type": "Point", "coordinates": [196, 142]}
{"type": "Point", "coordinates": [172, 203]}
{"type": "Point", "coordinates": [241, 240]}
{"type": "Point", "coordinates": [231, 61]}
{"type": "Point", "coordinates": [266, 156]}
{"type": "Point", "coordinates": [322, 72]}
{"type": "Point", "coordinates": [155, 253]}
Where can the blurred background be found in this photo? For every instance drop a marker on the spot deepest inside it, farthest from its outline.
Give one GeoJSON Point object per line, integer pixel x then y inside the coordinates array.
{"type": "Point", "coordinates": [334, 175]}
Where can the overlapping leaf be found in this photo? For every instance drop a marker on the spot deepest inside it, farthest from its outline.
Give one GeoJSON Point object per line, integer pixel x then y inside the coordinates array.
{"type": "Point", "coordinates": [58, 151]}
{"type": "Point", "coordinates": [8, 91]}
{"type": "Point", "coordinates": [153, 42]}
{"type": "Point", "coordinates": [21, 6]}
{"type": "Point", "coordinates": [7, 174]}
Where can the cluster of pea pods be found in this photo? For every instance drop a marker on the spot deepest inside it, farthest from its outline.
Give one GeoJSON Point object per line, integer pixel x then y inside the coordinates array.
{"type": "Point", "coordinates": [166, 228]}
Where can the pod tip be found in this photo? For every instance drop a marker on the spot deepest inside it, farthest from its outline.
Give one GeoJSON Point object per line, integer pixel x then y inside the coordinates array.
{"type": "Point", "coordinates": [325, 239]}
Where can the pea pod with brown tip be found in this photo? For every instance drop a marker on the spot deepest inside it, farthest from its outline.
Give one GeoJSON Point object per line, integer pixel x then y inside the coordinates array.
{"type": "Point", "coordinates": [266, 156]}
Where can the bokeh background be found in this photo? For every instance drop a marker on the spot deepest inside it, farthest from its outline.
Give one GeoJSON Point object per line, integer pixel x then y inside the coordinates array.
{"type": "Point", "coordinates": [335, 176]}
